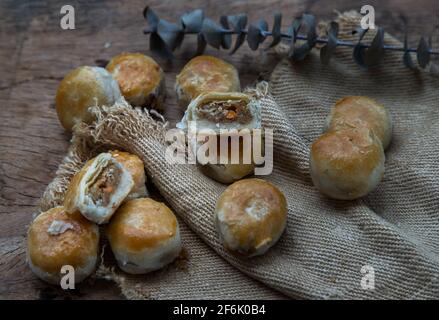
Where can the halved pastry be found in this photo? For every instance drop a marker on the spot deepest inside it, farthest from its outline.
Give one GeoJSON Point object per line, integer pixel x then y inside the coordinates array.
{"type": "Point", "coordinates": [99, 188]}
{"type": "Point", "coordinates": [135, 166]}
{"type": "Point", "coordinates": [224, 110]}
{"type": "Point", "coordinates": [232, 117]}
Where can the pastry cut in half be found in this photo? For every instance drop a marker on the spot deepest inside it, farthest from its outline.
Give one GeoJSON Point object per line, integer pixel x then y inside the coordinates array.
{"type": "Point", "coordinates": [99, 188]}
{"type": "Point", "coordinates": [232, 117]}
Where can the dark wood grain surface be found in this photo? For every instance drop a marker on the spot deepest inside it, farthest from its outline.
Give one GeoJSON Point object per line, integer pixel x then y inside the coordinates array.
{"type": "Point", "coordinates": [35, 54]}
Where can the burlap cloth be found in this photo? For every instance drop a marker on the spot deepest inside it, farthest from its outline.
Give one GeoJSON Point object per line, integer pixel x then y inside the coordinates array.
{"type": "Point", "coordinates": [395, 229]}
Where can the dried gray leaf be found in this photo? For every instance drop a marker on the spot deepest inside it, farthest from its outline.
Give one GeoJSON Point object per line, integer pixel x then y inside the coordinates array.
{"type": "Point", "coordinates": [226, 42]}
{"type": "Point", "coordinates": [151, 17]}
{"type": "Point", "coordinates": [293, 30]}
{"type": "Point", "coordinates": [327, 51]}
{"type": "Point", "coordinates": [157, 45]}
{"type": "Point", "coordinates": [358, 52]}
{"type": "Point", "coordinates": [212, 33]}
{"type": "Point", "coordinates": [276, 31]}
{"type": "Point", "coordinates": [201, 44]}
{"type": "Point", "coordinates": [171, 34]}
{"type": "Point", "coordinates": [375, 52]}
{"type": "Point", "coordinates": [256, 34]}
{"type": "Point", "coordinates": [310, 21]}
{"type": "Point", "coordinates": [301, 52]}
{"type": "Point", "coordinates": [238, 23]}
{"type": "Point", "coordinates": [423, 53]}
{"type": "Point", "coordinates": [407, 58]}
{"type": "Point", "coordinates": [193, 21]}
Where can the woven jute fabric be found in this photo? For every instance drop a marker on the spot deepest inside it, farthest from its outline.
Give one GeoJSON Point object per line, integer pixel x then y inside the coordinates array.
{"type": "Point", "coordinates": [393, 231]}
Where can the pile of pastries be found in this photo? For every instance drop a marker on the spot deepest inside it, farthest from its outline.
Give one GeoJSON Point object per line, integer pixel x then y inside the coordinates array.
{"type": "Point", "coordinates": [347, 162]}
{"type": "Point", "coordinates": [109, 194]}
{"type": "Point", "coordinates": [109, 191]}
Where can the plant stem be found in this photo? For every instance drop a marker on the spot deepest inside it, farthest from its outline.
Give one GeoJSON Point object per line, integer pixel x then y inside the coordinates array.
{"type": "Point", "coordinates": [341, 43]}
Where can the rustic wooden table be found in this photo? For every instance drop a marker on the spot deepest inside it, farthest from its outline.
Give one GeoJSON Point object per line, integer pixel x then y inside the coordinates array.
{"type": "Point", "coordinates": [35, 55]}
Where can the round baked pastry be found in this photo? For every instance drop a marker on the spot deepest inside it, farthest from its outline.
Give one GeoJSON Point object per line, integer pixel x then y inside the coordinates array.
{"type": "Point", "coordinates": [56, 239]}
{"type": "Point", "coordinates": [359, 111]}
{"type": "Point", "coordinates": [251, 216]}
{"type": "Point", "coordinates": [144, 236]}
{"type": "Point", "coordinates": [216, 111]}
{"type": "Point", "coordinates": [347, 164]}
{"type": "Point", "coordinates": [205, 74]}
{"type": "Point", "coordinates": [81, 89]}
{"type": "Point", "coordinates": [135, 166]}
{"type": "Point", "coordinates": [99, 188]}
{"type": "Point", "coordinates": [140, 79]}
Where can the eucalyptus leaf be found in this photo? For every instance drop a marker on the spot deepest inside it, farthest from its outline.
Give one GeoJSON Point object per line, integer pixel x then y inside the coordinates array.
{"type": "Point", "coordinates": [293, 31]}
{"type": "Point", "coordinates": [276, 31]}
{"type": "Point", "coordinates": [193, 21]}
{"type": "Point", "coordinates": [151, 17]}
{"type": "Point", "coordinates": [157, 45]}
{"type": "Point", "coordinates": [238, 23]}
{"type": "Point", "coordinates": [310, 21]}
{"type": "Point", "coordinates": [201, 44]}
{"type": "Point", "coordinates": [301, 52]}
{"type": "Point", "coordinates": [407, 58]}
{"type": "Point", "coordinates": [226, 42]}
{"type": "Point", "coordinates": [171, 34]}
{"type": "Point", "coordinates": [358, 52]}
{"type": "Point", "coordinates": [375, 52]}
{"type": "Point", "coordinates": [212, 32]}
{"type": "Point", "coordinates": [327, 51]}
{"type": "Point", "coordinates": [256, 34]}
{"type": "Point", "coordinates": [423, 53]}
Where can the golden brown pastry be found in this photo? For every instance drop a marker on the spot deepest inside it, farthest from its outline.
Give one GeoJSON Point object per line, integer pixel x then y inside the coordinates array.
{"type": "Point", "coordinates": [55, 239]}
{"type": "Point", "coordinates": [82, 88]}
{"type": "Point", "coordinates": [135, 166]}
{"type": "Point", "coordinates": [347, 164]}
{"type": "Point", "coordinates": [214, 111]}
{"type": "Point", "coordinates": [205, 74]}
{"type": "Point", "coordinates": [251, 216]}
{"type": "Point", "coordinates": [140, 79]}
{"type": "Point", "coordinates": [359, 111]}
{"type": "Point", "coordinates": [99, 188]}
{"type": "Point", "coordinates": [144, 236]}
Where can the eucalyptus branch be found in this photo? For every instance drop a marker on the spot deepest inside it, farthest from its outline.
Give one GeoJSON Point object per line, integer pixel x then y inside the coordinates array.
{"type": "Point", "coordinates": [165, 37]}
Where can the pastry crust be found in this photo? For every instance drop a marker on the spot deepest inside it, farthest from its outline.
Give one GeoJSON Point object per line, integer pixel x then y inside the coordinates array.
{"type": "Point", "coordinates": [144, 236]}
{"type": "Point", "coordinates": [55, 239]}
{"type": "Point", "coordinates": [205, 74]}
{"type": "Point", "coordinates": [251, 216]}
{"type": "Point", "coordinates": [135, 166]}
{"type": "Point", "coordinates": [360, 111]}
{"type": "Point", "coordinates": [140, 78]}
{"type": "Point", "coordinates": [99, 188]}
{"type": "Point", "coordinates": [347, 164]}
{"type": "Point", "coordinates": [81, 89]}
